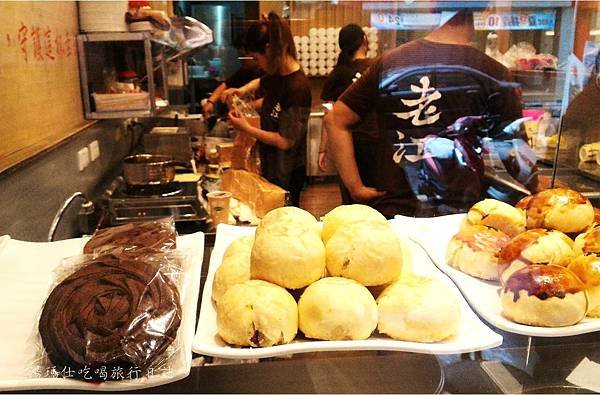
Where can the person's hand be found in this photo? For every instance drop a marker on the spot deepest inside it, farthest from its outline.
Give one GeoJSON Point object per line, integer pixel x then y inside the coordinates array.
{"type": "Point", "coordinates": [322, 161]}
{"type": "Point", "coordinates": [227, 93]}
{"type": "Point", "coordinates": [365, 194]}
{"type": "Point", "coordinates": [238, 121]}
{"type": "Point", "coordinates": [208, 109]}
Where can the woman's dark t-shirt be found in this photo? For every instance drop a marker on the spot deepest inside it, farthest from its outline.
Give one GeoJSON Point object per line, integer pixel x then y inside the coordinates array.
{"type": "Point", "coordinates": [285, 109]}
{"type": "Point", "coordinates": [342, 77]}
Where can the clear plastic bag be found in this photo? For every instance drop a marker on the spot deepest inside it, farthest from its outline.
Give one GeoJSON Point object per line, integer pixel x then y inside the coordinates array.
{"type": "Point", "coordinates": [244, 155]}
{"type": "Point", "coordinates": [134, 238]}
{"type": "Point", "coordinates": [111, 318]}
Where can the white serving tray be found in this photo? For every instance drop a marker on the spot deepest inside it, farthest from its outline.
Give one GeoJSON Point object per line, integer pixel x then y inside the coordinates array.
{"type": "Point", "coordinates": [433, 234]}
{"type": "Point", "coordinates": [26, 276]}
{"type": "Point", "coordinates": [473, 335]}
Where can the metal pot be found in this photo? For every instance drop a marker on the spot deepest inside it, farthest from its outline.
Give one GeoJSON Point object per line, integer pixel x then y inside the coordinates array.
{"type": "Point", "coordinates": [149, 169]}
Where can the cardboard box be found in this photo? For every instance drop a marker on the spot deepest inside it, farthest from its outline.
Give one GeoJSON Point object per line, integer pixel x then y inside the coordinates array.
{"type": "Point", "coordinates": [253, 190]}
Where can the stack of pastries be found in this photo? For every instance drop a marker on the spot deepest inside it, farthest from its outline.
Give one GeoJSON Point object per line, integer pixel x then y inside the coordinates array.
{"type": "Point", "coordinates": [295, 276]}
{"type": "Point", "coordinates": [544, 252]}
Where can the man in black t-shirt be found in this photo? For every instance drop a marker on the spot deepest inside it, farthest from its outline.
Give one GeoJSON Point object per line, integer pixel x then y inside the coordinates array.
{"type": "Point", "coordinates": [416, 90]}
{"type": "Point", "coordinates": [248, 72]}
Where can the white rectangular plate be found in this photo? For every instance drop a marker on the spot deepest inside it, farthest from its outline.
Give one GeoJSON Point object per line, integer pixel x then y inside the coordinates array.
{"type": "Point", "coordinates": [484, 296]}
{"type": "Point", "coordinates": [473, 334]}
{"type": "Point", "coordinates": [26, 273]}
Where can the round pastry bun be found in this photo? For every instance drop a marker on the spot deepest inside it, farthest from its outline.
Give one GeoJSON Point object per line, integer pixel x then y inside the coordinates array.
{"type": "Point", "coordinates": [497, 215]}
{"type": "Point", "coordinates": [588, 242]}
{"type": "Point", "coordinates": [257, 314]}
{"type": "Point", "coordinates": [587, 268]}
{"type": "Point", "coordinates": [535, 246]}
{"type": "Point", "coordinates": [562, 209]}
{"type": "Point", "coordinates": [337, 308]}
{"type": "Point", "coordinates": [544, 295]}
{"type": "Point", "coordinates": [346, 215]}
{"type": "Point", "coordinates": [234, 268]}
{"type": "Point", "coordinates": [474, 250]}
{"type": "Point", "coordinates": [241, 245]}
{"type": "Point", "coordinates": [292, 258]}
{"type": "Point", "coordinates": [289, 216]}
{"type": "Point", "coordinates": [418, 309]}
{"type": "Point", "coordinates": [368, 252]}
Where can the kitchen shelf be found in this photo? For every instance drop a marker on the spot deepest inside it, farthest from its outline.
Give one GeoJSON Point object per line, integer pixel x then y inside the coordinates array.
{"type": "Point", "coordinates": [137, 50]}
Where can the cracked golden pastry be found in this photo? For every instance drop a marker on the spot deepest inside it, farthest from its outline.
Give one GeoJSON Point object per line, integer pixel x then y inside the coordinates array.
{"type": "Point", "coordinates": [535, 246]}
{"type": "Point", "coordinates": [418, 309]}
{"type": "Point", "coordinates": [336, 308]}
{"type": "Point", "coordinates": [290, 257]}
{"type": "Point", "coordinates": [496, 215]}
{"type": "Point", "coordinates": [562, 209]}
{"type": "Point", "coordinates": [289, 216]}
{"type": "Point", "coordinates": [587, 268]}
{"type": "Point", "coordinates": [589, 242]}
{"type": "Point", "coordinates": [342, 216]}
{"type": "Point", "coordinates": [257, 314]}
{"type": "Point", "coordinates": [234, 268]}
{"type": "Point", "coordinates": [475, 249]}
{"type": "Point", "coordinates": [544, 295]}
{"type": "Point", "coordinates": [368, 252]}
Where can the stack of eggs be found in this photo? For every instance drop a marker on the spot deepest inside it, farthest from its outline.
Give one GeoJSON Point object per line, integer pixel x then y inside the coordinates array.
{"type": "Point", "coordinates": [318, 52]}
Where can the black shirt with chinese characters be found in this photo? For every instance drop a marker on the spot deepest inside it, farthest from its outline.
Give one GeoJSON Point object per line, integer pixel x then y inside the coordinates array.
{"type": "Point", "coordinates": [285, 110]}
{"type": "Point", "coordinates": [417, 90]}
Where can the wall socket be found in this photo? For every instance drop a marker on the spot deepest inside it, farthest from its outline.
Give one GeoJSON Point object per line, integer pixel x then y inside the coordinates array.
{"type": "Point", "coordinates": [83, 158]}
{"type": "Point", "coordinates": [94, 150]}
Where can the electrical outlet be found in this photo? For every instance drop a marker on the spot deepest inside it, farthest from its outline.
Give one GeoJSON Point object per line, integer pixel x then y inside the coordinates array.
{"type": "Point", "coordinates": [94, 150]}
{"type": "Point", "coordinates": [83, 158]}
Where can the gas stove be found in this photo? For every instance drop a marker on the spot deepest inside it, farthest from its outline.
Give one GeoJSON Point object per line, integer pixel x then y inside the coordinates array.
{"type": "Point", "coordinates": [130, 203]}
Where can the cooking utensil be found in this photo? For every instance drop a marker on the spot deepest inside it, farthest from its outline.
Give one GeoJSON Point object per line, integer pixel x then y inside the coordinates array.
{"type": "Point", "coordinates": [149, 169]}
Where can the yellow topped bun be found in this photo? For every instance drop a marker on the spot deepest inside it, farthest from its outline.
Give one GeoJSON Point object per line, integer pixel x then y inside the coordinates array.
{"type": "Point", "coordinates": [368, 252]}
{"type": "Point", "coordinates": [291, 257]}
{"type": "Point", "coordinates": [291, 217]}
{"type": "Point", "coordinates": [336, 308]}
{"type": "Point", "coordinates": [348, 214]}
{"type": "Point", "coordinates": [418, 309]}
{"type": "Point", "coordinates": [258, 314]}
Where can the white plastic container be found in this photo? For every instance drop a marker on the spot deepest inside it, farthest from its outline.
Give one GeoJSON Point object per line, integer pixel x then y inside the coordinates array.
{"type": "Point", "coordinates": [103, 16]}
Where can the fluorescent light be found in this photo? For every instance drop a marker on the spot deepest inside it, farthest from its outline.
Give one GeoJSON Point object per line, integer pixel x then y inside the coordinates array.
{"type": "Point", "coordinates": [595, 32]}
{"type": "Point", "coordinates": [549, 33]}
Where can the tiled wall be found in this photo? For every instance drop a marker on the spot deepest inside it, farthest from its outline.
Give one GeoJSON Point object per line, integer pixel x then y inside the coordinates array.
{"type": "Point", "coordinates": [31, 194]}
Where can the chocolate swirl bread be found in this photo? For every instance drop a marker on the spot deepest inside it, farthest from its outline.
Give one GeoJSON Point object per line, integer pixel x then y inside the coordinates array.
{"type": "Point", "coordinates": [134, 238]}
{"type": "Point", "coordinates": [114, 313]}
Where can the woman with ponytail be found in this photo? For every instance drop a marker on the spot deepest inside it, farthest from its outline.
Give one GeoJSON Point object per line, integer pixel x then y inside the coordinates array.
{"type": "Point", "coordinates": [285, 107]}
{"type": "Point", "coordinates": [351, 63]}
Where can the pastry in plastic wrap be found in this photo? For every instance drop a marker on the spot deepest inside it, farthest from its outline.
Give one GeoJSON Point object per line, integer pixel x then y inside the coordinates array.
{"type": "Point", "coordinates": [368, 252]}
{"type": "Point", "coordinates": [475, 249]}
{"type": "Point", "coordinates": [134, 238]}
{"type": "Point", "coordinates": [587, 268]}
{"type": "Point", "coordinates": [114, 312]}
{"type": "Point", "coordinates": [257, 314]}
{"type": "Point", "coordinates": [234, 268]}
{"type": "Point", "coordinates": [496, 215]}
{"type": "Point", "coordinates": [418, 309]}
{"type": "Point", "coordinates": [253, 190]}
{"type": "Point", "coordinates": [289, 216]}
{"type": "Point", "coordinates": [535, 246]}
{"type": "Point", "coordinates": [290, 257]}
{"type": "Point", "coordinates": [560, 208]}
{"type": "Point", "coordinates": [589, 242]}
{"type": "Point", "coordinates": [346, 215]}
{"type": "Point", "coordinates": [544, 295]}
{"type": "Point", "coordinates": [336, 308]}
